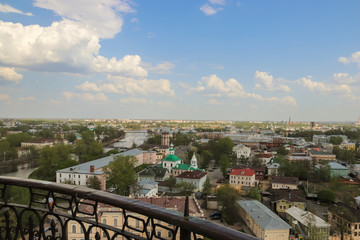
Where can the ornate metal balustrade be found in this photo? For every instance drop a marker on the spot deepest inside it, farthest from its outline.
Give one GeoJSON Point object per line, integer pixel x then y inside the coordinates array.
{"type": "Point", "coordinates": [31, 209]}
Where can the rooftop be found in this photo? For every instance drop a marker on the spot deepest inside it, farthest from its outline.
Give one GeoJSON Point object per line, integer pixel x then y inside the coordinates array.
{"type": "Point", "coordinates": [263, 216]}
{"type": "Point", "coordinates": [286, 180]}
{"type": "Point", "coordinates": [197, 174]}
{"type": "Point", "coordinates": [306, 218]}
{"type": "Point", "coordinates": [242, 172]}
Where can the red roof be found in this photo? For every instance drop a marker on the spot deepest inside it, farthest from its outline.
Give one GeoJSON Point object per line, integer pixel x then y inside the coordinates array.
{"type": "Point", "coordinates": [243, 172]}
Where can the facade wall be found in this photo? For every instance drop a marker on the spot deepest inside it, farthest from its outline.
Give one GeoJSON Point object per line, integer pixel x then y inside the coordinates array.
{"type": "Point", "coordinates": [79, 178]}
{"type": "Point", "coordinates": [283, 205]}
{"type": "Point", "coordinates": [283, 186]}
{"type": "Point", "coordinates": [237, 180]}
{"type": "Point", "coordinates": [149, 157]}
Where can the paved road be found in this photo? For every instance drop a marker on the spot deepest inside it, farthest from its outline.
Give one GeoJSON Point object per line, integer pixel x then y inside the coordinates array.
{"type": "Point", "coordinates": [318, 209]}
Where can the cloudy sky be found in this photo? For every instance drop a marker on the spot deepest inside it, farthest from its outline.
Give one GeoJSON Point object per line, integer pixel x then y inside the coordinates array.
{"type": "Point", "coordinates": [203, 59]}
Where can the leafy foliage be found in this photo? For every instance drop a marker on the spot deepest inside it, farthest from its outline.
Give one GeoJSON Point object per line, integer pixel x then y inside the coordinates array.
{"type": "Point", "coordinates": [228, 197]}
{"type": "Point", "coordinates": [207, 186]}
{"type": "Point", "coordinates": [93, 182]}
{"type": "Point", "coordinates": [51, 160]}
{"type": "Point", "coordinates": [327, 195]}
{"type": "Point", "coordinates": [121, 174]}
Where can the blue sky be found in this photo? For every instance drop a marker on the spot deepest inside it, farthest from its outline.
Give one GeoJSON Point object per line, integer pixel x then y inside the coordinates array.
{"type": "Point", "coordinates": [208, 59]}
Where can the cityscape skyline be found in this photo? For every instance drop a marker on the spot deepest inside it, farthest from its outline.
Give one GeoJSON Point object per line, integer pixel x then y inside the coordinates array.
{"type": "Point", "coordinates": [210, 59]}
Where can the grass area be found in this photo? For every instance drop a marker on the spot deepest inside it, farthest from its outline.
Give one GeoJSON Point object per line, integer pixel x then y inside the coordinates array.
{"type": "Point", "coordinates": [344, 192]}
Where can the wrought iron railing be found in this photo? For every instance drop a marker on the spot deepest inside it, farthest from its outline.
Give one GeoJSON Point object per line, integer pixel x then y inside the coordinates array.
{"type": "Point", "coordinates": [31, 209]}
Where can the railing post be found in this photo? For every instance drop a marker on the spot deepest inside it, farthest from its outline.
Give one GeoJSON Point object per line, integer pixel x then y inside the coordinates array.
{"type": "Point", "coordinates": [184, 233]}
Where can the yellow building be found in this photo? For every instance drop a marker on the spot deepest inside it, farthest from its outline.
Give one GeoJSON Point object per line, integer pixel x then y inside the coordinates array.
{"type": "Point", "coordinates": [263, 222]}
{"type": "Point", "coordinates": [282, 199]}
{"type": "Point", "coordinates": [112, 216]}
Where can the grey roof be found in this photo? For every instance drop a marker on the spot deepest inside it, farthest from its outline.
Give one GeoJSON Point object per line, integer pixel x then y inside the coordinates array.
{"type": "Point", "coordinates": [98, 163]}
{"type": "Point", "coordinates": [306, 218]}
{"type": "Point", "coordinates": [262, 215]}
{"type": "Point", "coordinates": [334, 165]}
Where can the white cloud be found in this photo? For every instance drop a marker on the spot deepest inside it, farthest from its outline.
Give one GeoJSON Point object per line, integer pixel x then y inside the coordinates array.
{"type": "Point", "coordinates": [161, 68]}
{"type": "Point", "coordinates": [8, 9]}
{"type": "Point", "coordinates": [216, 87]}
{"type": "Point", "coordinates": [214, 101]}
{"type": "Point", "coordinates": [355, 57]}
{"type": "Point", "coordinates": [321, 87]}
{"type": "Point", "coordinates": [101, 16]}
{"type": "Point", "coordinates": [132, 100]}
{"type": "Point", "coordinates": [218, 2]}
{"type": "Point", "coordinates": [65, 46]}
{"type": "Point", "coordinates": [164, 104]}
{"type": "Point", "coordinates": [9, 74]}
{"type": "Point", "coordinates": [4, 97]}
{"type": "Point", "coordinates": [150, 35]}
{"type": "Point", "coordinates": [266, 82]}
{"type": "Point", "coordinates": [134, 20]}
{"type": "Point", "coordinates": [218, 67]}
{"type": "Point", "coordinates": [99, 97]}
{"type": "Point", "coordinates": [209, 10]}
{"type": "Point", "coordinates": [343, 78]}
{"type": "Point", "coordinates": [131, 86]}
{"type": "Point", "coordinates": [229, 88]}
{"type": "Point", "coordinates": [27, 99]}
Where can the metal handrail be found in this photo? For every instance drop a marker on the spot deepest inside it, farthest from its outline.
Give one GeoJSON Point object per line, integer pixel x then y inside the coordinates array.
{"type": "Point", "coordinates": [186, 224]}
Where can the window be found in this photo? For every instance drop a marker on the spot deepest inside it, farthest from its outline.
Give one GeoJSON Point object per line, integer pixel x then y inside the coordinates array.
{"type": "Point", "coordinates": [355, 233]}
{"type": "Point", "coordinates": [355, 226]}
{"type": "Point", "coordinates": [69, 176]}
{"type": "Point", "coordinates": [137, 223]}
{"type": "Point", "coordinates": [115, 220]}
{"type": "Point", "coordinates": [73, 228]}
{"type": "Point", "coordinates": [60, 174]}
{"type": "Point", "coordinates": [158, 234]}
{"type": "Point", "coordinates": [104, 221]}
{"type": "Point", "coordinates": [79, 176]}
{"type": "Point", "coordinates": [169, 234]}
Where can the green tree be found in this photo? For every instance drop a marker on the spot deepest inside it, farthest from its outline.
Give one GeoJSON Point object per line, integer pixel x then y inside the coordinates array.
{"type": "Point", "coordinates": [4, 148]}
{"type": "Point", "coordinates": [324, 173]}
{"type": "Point", "coordinates": [156, 140]}
{"type": "Point", "coordinates": [121, 174]}
{"type": "Point", "coordinates": [224, 164]}
{"type": "Point", "coordinates": [227, 197]}
{"type": "Point", "coordinates": [282, 151]}
{"type": "Point", "coordinates": [95, 151]}
{"type": "Point", "coordinates": [93, 182]}
{"type": "Point", "coordinates": [336, 140]}
{"type": "Point", "coordinates": [16, 139]}
{"type": "Point", "coordinates": [71, 137]}
{"type": "Point", "coordinates": [51, 160]}
{"type": "Point", "coordinates": [256, 161]}
{"type": "Point", "coordinates": [206, 157]}
{"type": "Point", "coordinates": [327, 195]}
{"type": "Point", "coordinates": [186, 188]}
{"type": "Point", "coordinates": [170, 183]}
{"type": "Point", "coordinates": [207, 186]}
{"type": "Point", "coordinates": [254, 193]}
{"type": "Point", "coordinates": [88, 137]}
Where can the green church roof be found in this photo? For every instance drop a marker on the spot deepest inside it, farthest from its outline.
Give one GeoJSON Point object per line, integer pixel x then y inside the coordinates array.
{"type": "Point", "coordinates": [172, 158]}
{"type": "Point", "coordinates": [183, 166]}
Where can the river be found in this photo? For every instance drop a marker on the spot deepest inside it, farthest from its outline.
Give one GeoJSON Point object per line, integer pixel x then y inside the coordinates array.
{"type": "Point", "coordinates": [137, 137]}
{"type": "Point", "coordinates": [23, 171]}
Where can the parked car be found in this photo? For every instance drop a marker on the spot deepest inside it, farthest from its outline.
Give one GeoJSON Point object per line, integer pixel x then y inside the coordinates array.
{"type": "Point", "coordinates": [215, 215]}
{"type": "Point", "coordinates": [219, 180]}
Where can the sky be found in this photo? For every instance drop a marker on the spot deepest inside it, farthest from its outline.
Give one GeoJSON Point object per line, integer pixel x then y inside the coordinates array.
{"type": "Point", "coordinates": [196, 60]}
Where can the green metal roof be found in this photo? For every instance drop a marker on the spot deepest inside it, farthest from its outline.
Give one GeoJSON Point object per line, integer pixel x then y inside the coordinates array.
{"type": "Point", "coordinates": [172, 158]}
{"type": "Point", "coordinates": [183, 166]}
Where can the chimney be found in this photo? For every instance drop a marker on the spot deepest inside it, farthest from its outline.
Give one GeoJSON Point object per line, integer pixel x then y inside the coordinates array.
{"type": "Point", "coordinates": [92, 168]}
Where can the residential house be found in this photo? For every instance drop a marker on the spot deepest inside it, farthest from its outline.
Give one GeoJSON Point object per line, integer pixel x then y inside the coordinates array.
{"type": "Point", "coordinates": [273, 169]}
{"type": "Point", "coordinates": [146, 188]}
{"type": "Point", "coordinates": [154, 173]}
{"type": "Point", "coordinates": [259, 171]}
{"type": "Point", "coordinates": [348, 146]}
{"type": "Point", "coordinates": [307, 224]}
{"type": "Point", "coordinates": [263, 222]}
{"type": "Point", "coordinates": [113, 216]}
{"type": "Point", "coordinates": [266, 157]}
{"type": "Point", "coordinates": [79, 174]}
{"type": "Point", "coordinates": [336, 169]}
{"type": "Point", "coordinates": [242, 151]}
{"type": "Point", "coordinates": [345, 219]}
{"type": "Point", "coordinates": [283, 199]}
{"type": "Point", "coordinates": [197, 178]}
{"type": "Point", "coordinates": [40, 143]}
{"type": "Point", "coordinates": [284, 182]}
{"type": "Point", "coordinates": [183, 167]}
{"type": "Point", "coordinates": [316, 154]}
{"type": "Point", "coordinates": [242, 178]}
